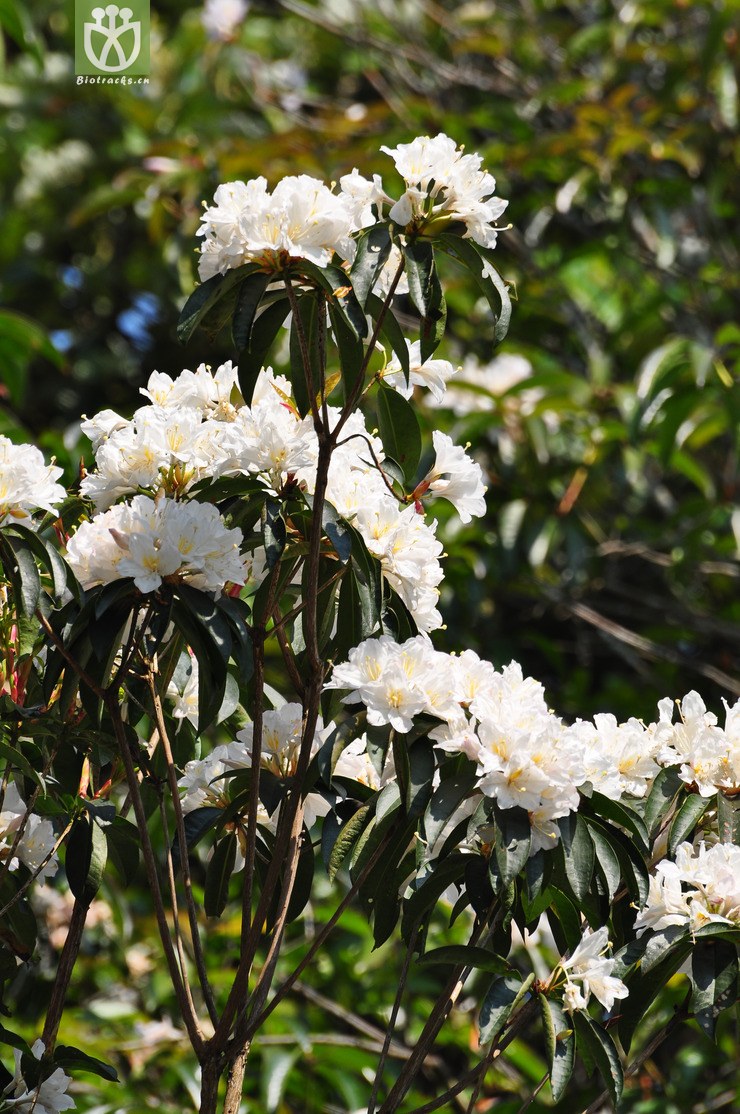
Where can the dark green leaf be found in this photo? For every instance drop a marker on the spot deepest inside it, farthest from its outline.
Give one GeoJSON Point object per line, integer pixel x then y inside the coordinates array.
{"type": "Point", "coordinates": [454, 787]}
{"type": "Point", "coordinates": [304, 330]}
{"type": "Point", "coordinates": [600, 806]}
{"type": "Point", "coordinates": [661, 797]}
{"type": "Point", "coordinates": [425, 292]}
{"type": "Point", "coordinates": [560, 1044]}
{"type": "Point", "coordinates": [503, 997]}
{"type": "Point", "coordinates": [714, 972]}
{"type": "Point", "coordinates": [247, 301]}
{"type": "Point", "coordinates": [465, 955]}
{"type": "Point", "coordinates": [399, 430]}
{"type": "Point", "coordinates": [73, 1059]}
{"type": "Point", "coordinates": [264, 330]}
{"type": "Point", "coordinates": [373, 249]}
{"type": "Point", "coordinates": [347, 838]}
{"type": "Point", "coordinates": [274, 531]}
{"type": "Point", "coordinates": [421, 766]}
{"type": "Point", "coordinates": [392, 332]}
{"type": "Point", "coordinates": [645, 986]}
{"type": "Point", "coordinates": [602, 1051]}
{"type": "Point", "coordinates": [512, 842]}
{"type": "Point", "coordinates": [471, 256]}
{"type": "Point", "coordinates": [423, 899]}
{"type": "Point", "coordinates": [578, 853]}
{"type": "Point", "coordinates": [86, 854]}
{"type": "Point", "coordinates": [351, 352]}
{"type": "Point", "coordinates": [686, 819]}
{"type": "Point", "coordinates": [206, 296]}
{"type": "Point", "coordinates": [338, 286]}
{"type": "Point", "coordinates": [607, 860]}
{"type": "Point", "coordinates": [123, 848]}
{"type": "Point", "coordinates": [218, 876]}
{"type": "Point", "coordinates": [22, 572]}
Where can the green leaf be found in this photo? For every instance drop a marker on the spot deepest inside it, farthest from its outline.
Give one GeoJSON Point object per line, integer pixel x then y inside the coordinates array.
{"type": "Point", "coordinates": [425, 292]}
{"type": "Point", "coordinates": [373, 249]}
{"type": "Point", "coordinates": [351, 351]}
{"type": "Point", "coordinates": [197, 824]}
{"type": "Point", "coordinates": [306, 320]}
{"type": "Point", "coordinates": [218, 876]}
{"type": "Point", "coordinates": [512, 842]}
{"type": "Point", "coordinates": [472, 257]}
{"type": "Point", "coordinates": [274, 531]}
{"type": "Point", "coordinates": [578, 853]}
{"type": "Point", "coordinates": [465, 955]}
{"type": "Point", "coordinates": [602, 1051]}
{"type": "Point", "coordinates": [600, 806]}
{"type": "Point", "coordinates": [338, 286]}
{"type": "Point", "coordinates": [301, 893]}
{"type": "Point", "coordinates": [248, 299]}
{"type": "Point", "coordinates": [207, 296]}
{"type": "Point", "coordinates": [86, 854]}
{"type": "Point", "coordinates": [423, 899]}
{"type": "Point", "coordinates": [560, 1044]}
{"type": "Point", "coordinates": [644, 987]}
{"type": "Point", "coordinates": [714, 973]}
{"type": "Point", "coordinates": [455, 785]}
{"type": "Point", "coordinates": [347, 838]}
{"type": "Point", "coordinates": [399, 430]}
{"type": "Point", "coordinates": [265, 328]}
{"type": "Point", "coordinates": [686, 819]}
{"type": "Point", "coordinates": [123, 848]}
{"type": "Point", "coordinates": [503, 996]}
{"type": "Point", "coordinates": [607, 861]}
{"type": "Point", "coordinates": [392, 332]}
{"type": "Point", "coordinates": [22, 572]}
{"type": "Point", "coordinates": [421, 767]}
{"type": "Point", "coordinates": [73, 1059]}
{"type": "Point", "coordinates": [661, 797]}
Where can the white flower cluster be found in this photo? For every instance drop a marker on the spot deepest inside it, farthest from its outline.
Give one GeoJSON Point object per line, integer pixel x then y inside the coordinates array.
{"type": "Point", "coordinates": [27, 483]}
{"type": "Point", "coordinates": [525, 755]}
{"type": "Point", "coordinates": [300, 219]}
{"type": "Point", "coordinates": [205, 781]}
{"type": "Point", "coordinates": [589, 971]}
{"type": "Point", "coordinates": [156, 539]}
{"type": "Point", "coordinates": [702, 886]}
{"type": "Point", "coordinates": [36, 843]}
{"type": "Point", "coordinates": [196, 426]}
{"type": "Point", "coordinates": [708, 755]}
{"type": "Point", "coordinates": [442, 182]}
{"type": "Point", "coordinates": [303, 219]}
{"type": "Point", "coordinates": [477, 388]}
{"type": "Point", "coordinates": [49, 1097]}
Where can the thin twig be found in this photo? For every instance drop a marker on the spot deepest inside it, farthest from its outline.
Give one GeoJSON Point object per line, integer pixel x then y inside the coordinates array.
{"type": "Point", "coordinates": [170, 869]}
{"type": "Point", "coordinates": [393, 1018]}
{"type": "Point", "coordinates": [198, 956]}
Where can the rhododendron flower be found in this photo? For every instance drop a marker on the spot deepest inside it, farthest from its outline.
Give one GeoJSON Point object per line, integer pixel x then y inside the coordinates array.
{"type": "Point", "coordinates": [27, 483]}
{"type": "Point", "coordinates": [431, 373]}
{"type": "Point", "coordinates": [445, 185]}
{"type": "Point", "coordinates": [151, 540]}
{"type": "Point", "coordinates": [456, 477]}
{"type": "Point", "coordinates": [588, 972]}
{"type": "Point", "coordinates": [49, 1097]}
{"type": "Point", "coordinates": [300, 219]}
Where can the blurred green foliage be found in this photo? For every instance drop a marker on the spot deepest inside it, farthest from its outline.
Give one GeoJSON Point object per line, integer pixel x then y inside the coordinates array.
{"type": "Point", "coordinates": [608, 560]}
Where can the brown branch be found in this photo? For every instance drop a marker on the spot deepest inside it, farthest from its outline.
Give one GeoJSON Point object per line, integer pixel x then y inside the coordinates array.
{"type": "Point", "coordinates": [66, 965]}
{"type": "Point", "coordinates": [393, 1018]}
{"type": "Point", "coordinates": [198, 956]}
{"type": "Point", "coordinates": [150, 863]}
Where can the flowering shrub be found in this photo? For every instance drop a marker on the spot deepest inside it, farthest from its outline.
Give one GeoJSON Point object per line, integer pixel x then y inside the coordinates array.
{"type": "Point", "coordinates": [238, 508]}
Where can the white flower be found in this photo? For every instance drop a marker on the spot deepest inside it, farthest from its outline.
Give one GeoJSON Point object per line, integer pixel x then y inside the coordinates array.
{"type": "Point", "coordinates": [439, 176]}
{"type": "Point", "coordinates": [186, 701]}
{"type": "Point", "coordinates": [151, 540]}
{"type": "Point", "coordinates": [588, 972]}
{"type": "Point", "coordinates": [456, 477]}
{"type": "Point", "coordinates": [477, 388]}
{"type": "Point", "coordinates": [432, 374]}
{"type": "Point", "coordinates": [48, 1098]}
{"type": "Point", "coordinates": [301, 219]}
{"type": "Point", "coordinates": [220, 18]}
{"type": "Point", "coordinates": [701, 887]}
{"type": "Point", "coordinates": [37, 841]}
{"type": "Point", "coordinates": [27, 483]}
{"type": "Point", "coordinates": [696, 742]}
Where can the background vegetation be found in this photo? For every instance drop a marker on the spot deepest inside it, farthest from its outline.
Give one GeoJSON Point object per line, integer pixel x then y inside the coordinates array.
{"type": "Point", "coordinates": [608, 563]}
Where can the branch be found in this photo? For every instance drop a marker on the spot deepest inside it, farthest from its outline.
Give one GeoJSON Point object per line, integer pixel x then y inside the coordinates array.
{"type": "Point", "coordinates": [198, 956]}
